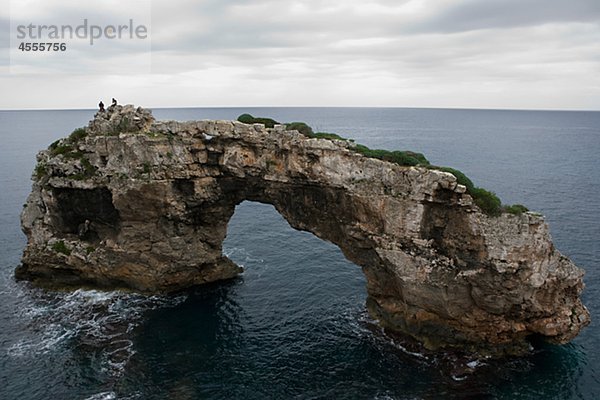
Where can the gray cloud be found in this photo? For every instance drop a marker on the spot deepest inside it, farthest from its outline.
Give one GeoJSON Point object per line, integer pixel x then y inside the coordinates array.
{"type": "Point", "coordinates": [4, 41]}
{"type": "Point", "coordinates": [491, 53]}
{"type": "Point", "coordinates": [491, 14]}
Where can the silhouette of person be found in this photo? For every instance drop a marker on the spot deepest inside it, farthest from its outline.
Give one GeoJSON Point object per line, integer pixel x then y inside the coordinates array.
{"type": "Point", "coordinates": [114, 102]}
{"type": "Point", "coordinates": [101, 106]}
{"type": "Point", "coordinates": [83, 229]}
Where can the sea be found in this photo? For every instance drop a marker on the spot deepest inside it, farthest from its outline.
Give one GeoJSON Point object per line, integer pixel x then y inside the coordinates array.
{"type": "Point", "coordinates": [294, 324]}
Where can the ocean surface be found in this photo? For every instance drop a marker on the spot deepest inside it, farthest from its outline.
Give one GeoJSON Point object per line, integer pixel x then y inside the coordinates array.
{"type": "Point", "coordinates": [294, 324]}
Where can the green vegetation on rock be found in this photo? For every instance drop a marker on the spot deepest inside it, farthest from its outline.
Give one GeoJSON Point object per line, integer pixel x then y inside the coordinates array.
{"type": "Point", "coordinates": [461, 178]}
{"type": "Point", "coordinates": [66, 148]}
{"type": "Point", "coordinates": [77, 135]}
{"type": "Point", "coordinates": [146, 168]}
{"type": "Point", "coordinates": [88, 168]}
{"type": "Point", "coordinates": [516, 209]}
{"type": "Point", "coordinates": [301, 127]}
{"type": "Point", "coordinates": [249, 119]}
{"type": "Point", "coordinates": [61, 247]}
{"type": "Point", "coordinates": [40, 170]}
{"type": "Point", "coordinates": [406, 158]}
{"type": "Point", "coordinates": [327, 135]}
{"type": "Point", "coordinates": [486, 200]}
{"type": "Point", "coordinates": [60, 147]}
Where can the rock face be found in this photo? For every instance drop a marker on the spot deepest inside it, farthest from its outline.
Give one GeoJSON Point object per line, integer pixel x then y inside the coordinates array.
{"type": "Point", "coordinates": [135, 203]}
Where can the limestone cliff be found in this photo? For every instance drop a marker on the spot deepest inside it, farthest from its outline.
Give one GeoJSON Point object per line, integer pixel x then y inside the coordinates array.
{"type": "Point", "coordinates": [131, 202]}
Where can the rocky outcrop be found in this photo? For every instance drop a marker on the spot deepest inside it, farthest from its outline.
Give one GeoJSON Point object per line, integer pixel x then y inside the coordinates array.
{"type": "Point", "coordinates": [135, 203]}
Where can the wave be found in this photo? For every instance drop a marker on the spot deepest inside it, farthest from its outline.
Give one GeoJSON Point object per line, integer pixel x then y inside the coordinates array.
{"type": "Point", "coordinates": [112, 396]}
{"type": "Point", "coordinates": [98, 322]}
{"type": "Point", "coordinates": [103, 396]}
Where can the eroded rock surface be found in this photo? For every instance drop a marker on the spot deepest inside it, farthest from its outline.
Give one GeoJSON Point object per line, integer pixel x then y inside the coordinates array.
{"type": "Point", "coordinates": [144, 204]}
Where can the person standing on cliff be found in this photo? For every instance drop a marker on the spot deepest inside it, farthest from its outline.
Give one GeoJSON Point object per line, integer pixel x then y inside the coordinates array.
{"type": "Point", "coordinates": [101, 106]}
{"type": "Point", "coordinates": [114, 102]}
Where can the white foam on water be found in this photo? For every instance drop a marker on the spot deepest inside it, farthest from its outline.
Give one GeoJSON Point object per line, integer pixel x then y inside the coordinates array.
{"type": "Point", "coordinates": [102, 322]}
{"type": "Point", "coordinates": [112, 396]}
{"type": "Point", "coordinates": [103, 396]}
{"type": "Point", "coordinates": [475, 363]}
{"type": "Point", "coordinates": [240, 253]}
{"type": "Point", "coordinates": [51, 336]}
{"type": "Point", "coordinates": [365, 318]}
{"type": "Point", "coordinates": [383, 397]}
{"type": "Point", "coordinates": [459, 378]}
{"type": "Point", "coordinates": [405, 350]}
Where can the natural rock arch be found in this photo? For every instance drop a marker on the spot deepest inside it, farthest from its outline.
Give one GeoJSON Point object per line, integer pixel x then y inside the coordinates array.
{"type": "Point", "coordinates": [157, 197]}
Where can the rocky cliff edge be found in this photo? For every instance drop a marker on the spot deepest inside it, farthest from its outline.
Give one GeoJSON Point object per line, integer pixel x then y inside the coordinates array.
{"type": "Point", "coordinates": [130, 202]}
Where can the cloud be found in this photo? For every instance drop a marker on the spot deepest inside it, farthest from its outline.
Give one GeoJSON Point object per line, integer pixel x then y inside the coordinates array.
{"type": "Point", "coordinates": [465, 53]}
{"type": "Point", "coordinates": [4, 37]}
{"type": "Point", "coordinates": [493, 14]}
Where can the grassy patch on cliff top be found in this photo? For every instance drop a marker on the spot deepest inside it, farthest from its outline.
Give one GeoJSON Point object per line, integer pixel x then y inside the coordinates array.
{"type": "Point", "coordinates": [67, 147]}
{"type": "Point", "coordinates": [60, 147]}
{"type": "Point", "coordinates": [486, 200]}
{"type": "Point", "coordinates": [78, 134]}
{"type": "Point", "coordinates": [249, 119]}
{"type": "Point", "coordinates": [516, 209]}
{"type": "Point", "coordinates": [406, 158]}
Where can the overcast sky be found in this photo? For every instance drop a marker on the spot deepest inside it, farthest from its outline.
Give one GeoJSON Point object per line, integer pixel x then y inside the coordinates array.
{"type": "Point", "coordinates": [532, 54]}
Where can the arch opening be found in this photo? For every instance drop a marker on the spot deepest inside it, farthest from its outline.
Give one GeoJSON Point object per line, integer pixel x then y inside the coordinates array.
{"type": "Point", "coordinates": [257, 234]}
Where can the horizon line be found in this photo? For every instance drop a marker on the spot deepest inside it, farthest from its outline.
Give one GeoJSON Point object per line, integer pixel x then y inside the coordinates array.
{"type": "Point", "coordinates": [357, 107]}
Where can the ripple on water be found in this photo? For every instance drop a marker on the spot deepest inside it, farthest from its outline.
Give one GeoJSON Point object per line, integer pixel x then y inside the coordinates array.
{"type": "Point", "coordinates": [96, 322]}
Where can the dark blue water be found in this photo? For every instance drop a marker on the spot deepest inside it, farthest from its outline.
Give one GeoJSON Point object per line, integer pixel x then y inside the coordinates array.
{"type": "Point", "coordinates": [294, 325]}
